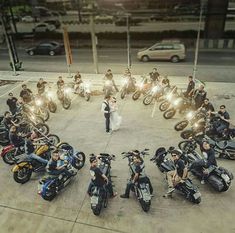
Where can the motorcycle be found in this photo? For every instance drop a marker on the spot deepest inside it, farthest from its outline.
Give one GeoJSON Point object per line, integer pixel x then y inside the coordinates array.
{"type": "Point", "coordinates": [187, 188]}
{"type": "Point", "coordinates": [154, 93]}
{"type": "Point", "coordinates": [63, 95]}
{"type": "Point", "coordinates": [180, 104]}
{"type": "Point", "coordinates": [218, 177]}
{"type": "Point", "coordinates": [50, 102]}
{"type": "Point", "coordinates": [190, 118]}
{"type": "Point", "coordinates": [223, 149]}
{"type": "Point", "coordinates": [108, 88]}
{"type": "Point", "coordinates": [84, 90]}
{"type": "Point", "coordinates": [50, 186]}
{"type": "Point", "coordinates": [99, 195]}
{"type": "Point", "coordinates": [128, 86]}
{"type": "Point", "coordinates": [141, 188]}
{"type": "Point", "coordinates": [39, 108]}
{"type": "Point", "coordinates": [142, 88]}
{"type": "Point", "coordinates": [4, 136]}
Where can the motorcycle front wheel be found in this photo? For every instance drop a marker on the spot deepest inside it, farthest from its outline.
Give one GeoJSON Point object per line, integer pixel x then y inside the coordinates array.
{"type": "Point", "coordinates": [186, 134]}
{"type": "Point", "coordinates": [181, 125]}
{"type": "Point", "coordinates": [136, 95]}
{"type": "Point", "coordinates": [43, 128]}
{"type": "Point", "coordinates": [164, 106]}
{"type": "Point", "coordinates": [49, 195]}
{"type": "Point", "coordinates": [66, 103]}
{"type": "Point", "coordinates": [8, 158]}
{"type": "Point", "coordinates": [169, 113]}
{"type": "Point", "coordinates": [147, 99]}
{"type": "Point", "coordinates": [123, 94]}
{"type": "Point", "coordinates": [87, 96]}
{"type": "Point", "coordinates": [145, 205]}
{"type": "Point", "coordinates": [52, 106]}
{"type": "Point", "coordinates": [80, 159]}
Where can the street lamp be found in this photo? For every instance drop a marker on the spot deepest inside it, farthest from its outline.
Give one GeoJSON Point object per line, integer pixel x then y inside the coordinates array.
{"type": "Point", "coordinates": [202, 4]}
{"type": "Point", "coordinates": [127, 15]}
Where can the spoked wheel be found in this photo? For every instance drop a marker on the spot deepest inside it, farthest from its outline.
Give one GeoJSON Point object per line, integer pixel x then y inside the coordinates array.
{"type": "Point", "coordinates": [44, 113]}
{"type": "Point", "coordinates": [43, 128]}
{"type": "Point", "coordinates": [181, 125]}
{"type": "Point", "coordinates": [66, 103]}
{"type": "Point", "coordinates": [52, 106]}
{"type": "Point", "coordinates": [49, 195]}
{"type": "Point", "coordinates": [164, 106]}
{"type": "Point", "coordinates": [136, 95]}
{"type": "Point", "coordinates": [54, 139]}
{"type": "Point", "coordinates": [147, 99]}
{"type": "Point", "coordinates": [169, 113]}
{"type": "Point", "coordinates": [9, 157]}
{"type": "Point", "coordinates": [22, 175]}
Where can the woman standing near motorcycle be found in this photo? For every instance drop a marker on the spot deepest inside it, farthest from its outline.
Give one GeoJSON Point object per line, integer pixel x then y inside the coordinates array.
{"type": "Point", "coordinates": [115, 118]}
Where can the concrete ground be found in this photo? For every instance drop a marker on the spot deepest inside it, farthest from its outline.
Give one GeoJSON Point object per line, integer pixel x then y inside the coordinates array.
{"type": "Point", "coordinates": [22, 210]}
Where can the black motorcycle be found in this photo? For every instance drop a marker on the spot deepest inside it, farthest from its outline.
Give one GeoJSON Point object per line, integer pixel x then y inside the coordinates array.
{"type": "Point", "coordinates": [218, 177]}
{"type": "Point", "coordinates": [187, 188]}
{"type": "Point", "coordinates": [99, 195]}
{"type": "Point", "coordinates": [141, 189]}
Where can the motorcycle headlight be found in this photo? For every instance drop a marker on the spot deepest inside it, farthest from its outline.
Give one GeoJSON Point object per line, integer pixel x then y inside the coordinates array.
{"type": "Point", "coordinates": [38, 102]}
{"type": "Point", "coordinates": [49, 94]}
{"type": "Point", "coordinates": [32, 108]}
{"type": "Point", "coordinates": [176, 102]}
{"type": "Point", "coordinates": [155, 89]}
{"type": "Point", "coordinates": [189, 115]}
{"type": "Point", "coordinates": [67, 90]}
{"type": "Point", "coordinates": [196, 125]}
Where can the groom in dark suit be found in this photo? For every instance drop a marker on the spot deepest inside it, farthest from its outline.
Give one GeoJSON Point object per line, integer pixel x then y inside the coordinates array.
{"type": "Point", "coordinates": [106, 110]}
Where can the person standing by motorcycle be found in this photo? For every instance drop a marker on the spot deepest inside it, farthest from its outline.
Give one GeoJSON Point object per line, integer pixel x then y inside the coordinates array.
{"type": "Point", "coordinates": [41, 85]}
{"type": "Point", "coordinates": [12, 103]}
{"type": "Point", "coordinates": [138, 172]}
{"type": "Point", "coordinates": [16, 139]}
{"type": "Point", "coordinates": [130, 79]}
{"type": "Point", "coordinates": [208, 161]}
{"type": "Point", "coordinates": [98, 178]}
{"type": "Point", "coordinates": [190, 87]}
{"type": "Point", "coordinates": [207, 106]}
{"type": "Point", "coordinates": [224, 120]}
{"type": "Point", "coordinates": [199, 96]}
{"type": "Point", "coordinates": [60, 83]}
{"type": "Point", "coordinates": [26, 94]}
{"type": "Point", "coordinates": [154, 77]}
{"type": "Point", "coordinates": [105, 108]}
{"type": "Point", "coordinates": [179, 174]}
{"type": "Point", "coordinates": [77, 82]}
{"type": "Point", "coordinates": [109, 76]}
{"type": "Point", "coordinates": [7, 120]}
{"type": "Point", "coordinates": [53, 167]}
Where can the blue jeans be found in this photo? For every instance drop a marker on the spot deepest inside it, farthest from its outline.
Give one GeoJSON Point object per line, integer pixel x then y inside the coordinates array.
{"type": "Point", "coordinates": [38, 158]}
{"type": "Point", "coordinates": [221, 128]}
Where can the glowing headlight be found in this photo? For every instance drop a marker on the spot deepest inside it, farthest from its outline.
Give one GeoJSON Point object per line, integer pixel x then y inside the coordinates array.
{"type": "Point", "coordinates": [124, 82]}
{"type": "Point", "coordinates": [176, 102]}
{"type": "Point", "coordinates": [87, 85]}
{"type": "Point", "coordinates": [169, 96]}
{"type": "Point", "coordinates": [38, 102]}
{"type": "Point", "coordinates": [32, 108]}
{"type": "Point", "coordinates": [189, 115]}
{"type": "Point", "coordinates": [49, 94]}
{"type": "Point", "coordinates": [196, 125]}
{"type": "Point", "coordinates": [155, 89]}
{"type": "Point", "coordinates": [33, 117]}
{"type": "Point", "coordinates": [67, 90]}
{"type": "Point", "coordinates": [140, 85]}
{"type": "Point", "coordinates": [108, 83]}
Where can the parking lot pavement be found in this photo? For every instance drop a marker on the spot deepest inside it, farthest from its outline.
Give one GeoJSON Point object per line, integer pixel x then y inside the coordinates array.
{"type": "Point", "coordinates": [22, 210]}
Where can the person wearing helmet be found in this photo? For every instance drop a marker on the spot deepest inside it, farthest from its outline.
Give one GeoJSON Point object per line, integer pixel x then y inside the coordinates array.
{"type": "Point", "coordinates": [179, 174]}
{"type": "Point", "coordinates": [208, 161]}
{"type": "Point", "coordinates": [98, 177]}
{"type": "Point", "coordinates": [138, 173]}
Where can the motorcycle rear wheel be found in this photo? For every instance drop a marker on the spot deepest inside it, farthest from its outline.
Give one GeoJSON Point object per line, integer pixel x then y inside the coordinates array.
{"type": "Point", "coordinates": [8, 157]}
{"type": "Point", "coordinates": [87, 97]}
{"type": "Point", "coordinates": [43, 128]}
{"type": "Point", "coordinates": [145, 206]}
{"type": "Point", "coordinates": [23, 175]}
{"type": "Point", "coordinates": [181, 125]}
{"type": "Point", "coordinates": [49, 195]}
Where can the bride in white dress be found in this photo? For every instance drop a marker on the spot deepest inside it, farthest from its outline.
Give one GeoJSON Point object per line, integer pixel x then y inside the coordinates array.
{"type": "Point", "coordinates": [115, 118]}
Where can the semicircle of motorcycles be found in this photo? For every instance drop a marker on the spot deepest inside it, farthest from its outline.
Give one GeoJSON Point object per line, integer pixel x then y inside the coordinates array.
{"type": "Point", "coordinates": [29, 146]}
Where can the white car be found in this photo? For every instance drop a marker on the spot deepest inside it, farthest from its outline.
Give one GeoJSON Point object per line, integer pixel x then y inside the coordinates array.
{"type": "Point", "coordinates": [44, 27]}
{"type": "Point", "coordinates": [27, 19]}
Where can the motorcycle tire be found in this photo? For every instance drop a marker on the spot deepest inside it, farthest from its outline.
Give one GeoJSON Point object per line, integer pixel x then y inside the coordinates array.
{"type": "Point", "coordinates": [45, 114]}
{"type": "Point", "coordinates": [49, 195]}
{"type": "Point", "coordinates": [80, 160]}
{"type": "Point", "coordinates": [187, 146]}
{"type": "Point", "coordinates": [43, 128]}
{"type": "Point", "coordinates": [145, 205]}
{"type": "Point", "coordinates": [9, 156]}
{"type": "Point", "coordinates": [66, 103]}
{"type": "Point", "coordinates": [186, 134]}
{"type": "Point", "coordinates": [136, 95]}
{"type": "Point", "coordinates": [195, 201]}
{"type": "Point", "coordinates": [54, 139]}
{"type": "Point", "coordinates": [147, 99]}
{"type": "Point", "coordinates": [164, 106]}
{"type": "Point", "coordinates": [123, 94]}
{"type": "Point", "coordinates": [168, 114]}
{"type": "Point", "coordinates": [27, 172]}
{"type": "Point", "coordinates": [52, 106]}
{"type": "Point", "coordinates": [217, 183]}
{"type": "Point", "coordinates": [181, 125]}
{"type": "Point", "coordinates": [87, 97]}
{"type": "Point", "coordinates": [96, 211]}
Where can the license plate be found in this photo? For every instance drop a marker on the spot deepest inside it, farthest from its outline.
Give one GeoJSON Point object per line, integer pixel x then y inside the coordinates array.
{"type": "Point", "coordinates": [196, 195]}
{"type": "Point", "coordinates": [225, 177]}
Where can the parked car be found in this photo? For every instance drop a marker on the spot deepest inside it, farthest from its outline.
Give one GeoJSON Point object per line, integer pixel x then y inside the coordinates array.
{"type": "Point", "coordinates": [54, 22]}
{"type": "Point", "coordinates": [44, 27]}
{"type": "Point", "coordinates": [166, 50]}
{"type": "Point", "coordinates": [27, 19]}
{"type": "Point", "coordinates": [46, 48]}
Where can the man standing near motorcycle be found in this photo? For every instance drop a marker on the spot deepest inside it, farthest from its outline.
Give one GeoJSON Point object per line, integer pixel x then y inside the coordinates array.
{"type": "Point", "coordinates": [109, 76]}
{"type": "Point", "coordinates": [139, 166]}
{"type": "Point", "coordinates": [204, 164]}
{"type": "Point", "coordinates": [224, 120]}
{"type": "Point", "coordinates": [98, 178]}
{"type": "Point", "coordinates": [12, 103]}
{"type": "Point", "coordinates": [179, 174]}
{"type": "Point", "coordinates": [41, 85]}
{"type": "Point", "coordinates": [77, 82]}
{"type": "Point", "coordinates": [60, 83]}
{"type": "Point", "coordinates": [154, 76]}
{"type": "Point", "coordinates": [207, 105]}
{"type": "Point", "coordinates": [199, 96]}
{"type": "Point", "coordinates": [190, 88]}
{"type": "Point", "coordinates": [26, 94]}
{"type": "Point", "coordinates": [105, 108]}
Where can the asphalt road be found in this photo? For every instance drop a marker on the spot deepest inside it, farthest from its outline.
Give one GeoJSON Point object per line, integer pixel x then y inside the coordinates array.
{"type": "Point", "coordinates": [212, 66]}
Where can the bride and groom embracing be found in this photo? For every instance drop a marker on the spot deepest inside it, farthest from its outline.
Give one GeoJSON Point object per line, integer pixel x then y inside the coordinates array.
{"type": "Point", "coordinates": [112, 118]}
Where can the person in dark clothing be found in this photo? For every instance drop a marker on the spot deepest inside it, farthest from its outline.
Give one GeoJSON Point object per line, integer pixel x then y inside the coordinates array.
{"type": "Point", "coordinates": [154, 76]}
{"type": "Point", "coordinates": [224, 119]}
{"type": "Point", "coordinates": [190, 88]}
{"type": "Point", "coordinates": [7, 120]}
{"type": "Point", "coordinates": [77, 82]}
{"type": "Point", "coordinates": [53, 167]}
{"type": "Point", "coordinates": [179, 174]}
{"type": "Point", "coordinates": [109, 76]}
{"type": "Point", "coordinates": [205, 164]}
{"type": "Point", "coordinates": [41, 85]}
{"type": "Point", "coordinates": [15, 138]}
{"type": "Point", "coordinates": [105, 108]}
{"type": "Point", "coordinates": [60, 83]}
{"type": "Point", "coordinates": [98, 178]}
{"type": "Point", "coordinates": [199, 96]}
{"type": "Point", "coordinates": [138, 173]}
{"type": "Point", "coordinates": [207, 105]}
{"type": "Point", "coordinates": [26, 94]}
{"type": "Point", "coordinates": [12, 103]}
